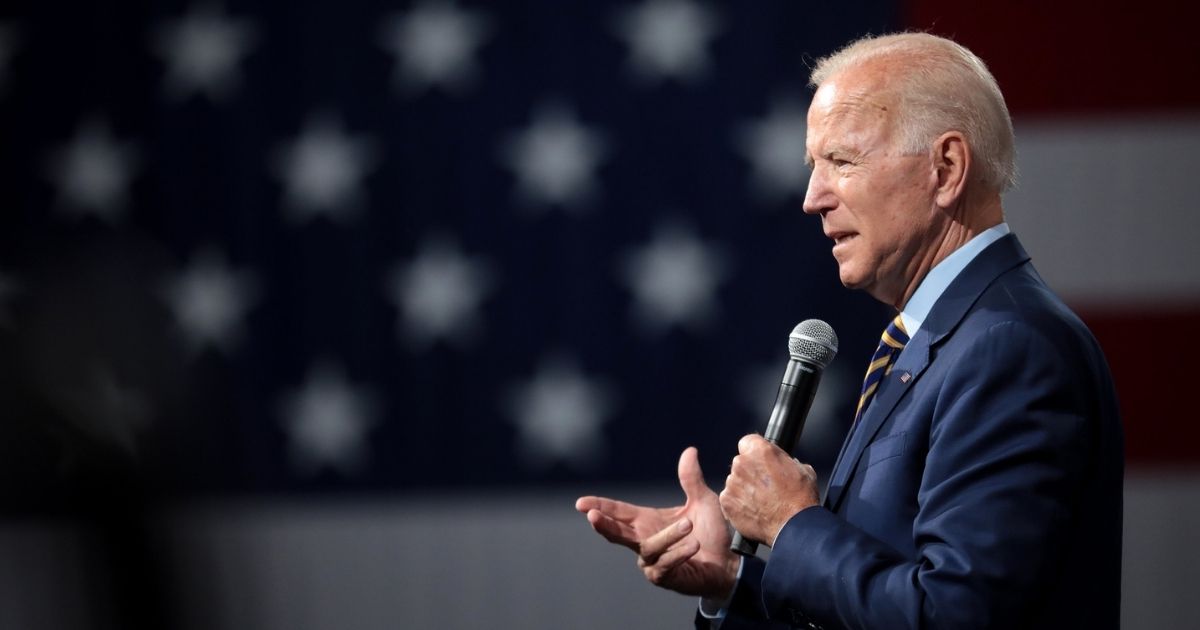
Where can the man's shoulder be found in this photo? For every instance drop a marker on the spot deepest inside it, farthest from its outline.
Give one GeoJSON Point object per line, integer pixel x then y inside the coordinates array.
{"type": "Point", "coordinates": [1019, 307]}
{"type": "Point", "coordinates": [1020, 297]}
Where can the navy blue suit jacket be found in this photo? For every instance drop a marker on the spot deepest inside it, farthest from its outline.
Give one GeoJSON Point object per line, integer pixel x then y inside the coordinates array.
{"type": "Point", "coordinates": [982, 487]}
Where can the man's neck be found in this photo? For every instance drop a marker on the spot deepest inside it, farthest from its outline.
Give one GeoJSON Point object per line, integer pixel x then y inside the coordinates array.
{"type": "Point", "coordinates": [959, 231]}
{"type": "Point", "coordinates": [935, 283]}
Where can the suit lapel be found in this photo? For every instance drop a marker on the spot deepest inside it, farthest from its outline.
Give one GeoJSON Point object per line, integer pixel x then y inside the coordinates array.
{"type": "Point", "coordinates": [908, 368]}
{"type": "Point", "coordinates": [943, 318]}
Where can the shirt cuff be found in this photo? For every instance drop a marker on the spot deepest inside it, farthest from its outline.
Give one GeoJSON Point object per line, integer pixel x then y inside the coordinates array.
{"type": "Point", "coordinates": [716, 609]}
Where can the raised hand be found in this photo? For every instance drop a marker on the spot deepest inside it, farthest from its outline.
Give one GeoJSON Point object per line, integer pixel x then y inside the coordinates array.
{"type": "Point", "coordinates": [683, 548]}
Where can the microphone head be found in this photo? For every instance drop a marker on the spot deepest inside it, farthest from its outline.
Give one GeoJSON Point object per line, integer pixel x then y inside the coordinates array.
{"type": "Point", "coordinates": [813, 341]}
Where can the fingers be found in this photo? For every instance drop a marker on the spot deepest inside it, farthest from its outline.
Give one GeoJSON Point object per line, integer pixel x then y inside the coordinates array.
{"type": "Point", "coordinates": [659, 543]}
{"type": "Point", "coordinates": [807, 471]}
{"type": "Point", "coordinates": [586, 504]}
{"type": "Point", "coordinates": [602, 516]}
{"type": "Point", "coordinates": [658, 572]}
{"type": "Point", "coordinates": [667, 549]}
{"type": "Point", "coordinates": [730, 497]}
{"type": "Point", "coordinates": [612, 530]}
{"type": "Point", "coordinates": [691, 479]}
{"type": "Point", "coordinates": [619, 510]}
{"type": "Point", "coordinates": [750, 442]}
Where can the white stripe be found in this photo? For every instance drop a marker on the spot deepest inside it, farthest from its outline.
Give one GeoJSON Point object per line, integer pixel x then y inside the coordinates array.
{"type": "Point", "coordinates": [1108, 208]}
{"type": "Point", "coordinates": [472, 561]}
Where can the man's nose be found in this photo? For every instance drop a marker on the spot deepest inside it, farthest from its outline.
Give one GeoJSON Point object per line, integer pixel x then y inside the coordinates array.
{"type": "Point", "coordinates": [818, 198]}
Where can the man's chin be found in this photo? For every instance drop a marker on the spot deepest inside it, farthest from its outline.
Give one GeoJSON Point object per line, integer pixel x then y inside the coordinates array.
{"type": "Point", "coordinates": [849, 279]}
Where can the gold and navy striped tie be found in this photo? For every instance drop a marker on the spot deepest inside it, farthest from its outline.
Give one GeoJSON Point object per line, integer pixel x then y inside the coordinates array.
{"type": "Point", "coordinates": [890, 345]}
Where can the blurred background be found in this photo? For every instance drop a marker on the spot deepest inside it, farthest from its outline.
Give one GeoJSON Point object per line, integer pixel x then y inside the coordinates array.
{"type": "Point", "coordinates": [320, 315]}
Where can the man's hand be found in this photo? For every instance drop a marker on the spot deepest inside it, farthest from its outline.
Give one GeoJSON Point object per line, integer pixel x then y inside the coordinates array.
{"type": "Point", "coordinates": [684, 548]}
{"type": "Point", "coordinates": [765, 488]}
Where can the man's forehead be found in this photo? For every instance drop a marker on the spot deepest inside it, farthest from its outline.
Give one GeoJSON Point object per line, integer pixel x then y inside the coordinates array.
{"type": "Point", "coordinates": [872, 82]}
{"type": "Point", "coordinates": [825, 97]}
{"type": "Point", "coordinates": [842, 111]}
{"type": "Point", "coordinates": [846, 97]}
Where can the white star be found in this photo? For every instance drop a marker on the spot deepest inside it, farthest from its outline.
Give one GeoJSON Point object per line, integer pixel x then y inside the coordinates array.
{"type": "Point", "coordinates": [775, 147]}
{"type": "Point", "coordinates": [555, 159]}
{"type": "Point", "coordinates": [559, 415]}
{"type": "Point", "coordinates": [439, 293]}
{"type": "Point", "coordinates": [8, 49]}
{"type": "Point", "coordinates": [202, 50]}
{"type": "Point", "coordinates": [9, 287]}
{"type": "Point", "coordinates": [93, 172]}
{"type": "Point", "coordinates": [327, 420]}
{"type": "Point", "coordinates": [674, 280]}
{"type": "Point", "coordinates": [434, 45]}
{"type": "Point", "coordinates": [668, 39]}
{"type": "Point", "coordinates": [209, 301]}
{"type": "Point", "coordinates": [323, 171]}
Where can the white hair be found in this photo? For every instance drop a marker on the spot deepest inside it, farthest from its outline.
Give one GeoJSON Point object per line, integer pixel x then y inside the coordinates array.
{"type": "Point", "coordinates": [942, 87]}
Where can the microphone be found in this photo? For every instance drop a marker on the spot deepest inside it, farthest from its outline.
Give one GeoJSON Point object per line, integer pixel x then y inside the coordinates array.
{"type": "Point", "coordinates": [812, 346]}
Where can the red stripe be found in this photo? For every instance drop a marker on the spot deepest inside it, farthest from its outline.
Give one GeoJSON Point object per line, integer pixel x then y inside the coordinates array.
{"type": "Point", "coordinates": [1074, 56]}
{"type": "Point", "coordinates": [1153, 359]}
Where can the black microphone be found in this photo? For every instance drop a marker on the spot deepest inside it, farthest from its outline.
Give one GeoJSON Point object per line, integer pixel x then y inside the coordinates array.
{"type": "Point", "coordinates": [812, 346]}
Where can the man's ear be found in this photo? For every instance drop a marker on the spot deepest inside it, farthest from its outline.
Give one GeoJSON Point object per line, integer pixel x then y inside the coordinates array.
{"type": "Point", "coordinates": [952, 159]}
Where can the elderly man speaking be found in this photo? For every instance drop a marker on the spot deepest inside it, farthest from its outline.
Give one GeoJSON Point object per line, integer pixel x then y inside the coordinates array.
{"type": "Point", "coordinates": [980, 484]}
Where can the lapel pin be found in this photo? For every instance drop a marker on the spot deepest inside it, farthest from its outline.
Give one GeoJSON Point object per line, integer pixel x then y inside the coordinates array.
{"type": "Point", "coordinates": [906, 377]}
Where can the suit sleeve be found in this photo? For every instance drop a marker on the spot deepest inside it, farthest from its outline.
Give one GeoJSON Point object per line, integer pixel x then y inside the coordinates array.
{"type": "Point", "coordinates": [1008, 446]}
{"type": "Point", "coordinates": [745, 611]}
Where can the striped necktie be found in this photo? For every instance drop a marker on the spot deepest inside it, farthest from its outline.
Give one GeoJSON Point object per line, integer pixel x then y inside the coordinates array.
{"type": "Point", "coordinates": [890, 345]}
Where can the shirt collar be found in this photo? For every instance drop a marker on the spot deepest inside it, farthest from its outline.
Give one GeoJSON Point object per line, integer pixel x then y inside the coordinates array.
{"type": "Point", "coordinates": [931, 288]}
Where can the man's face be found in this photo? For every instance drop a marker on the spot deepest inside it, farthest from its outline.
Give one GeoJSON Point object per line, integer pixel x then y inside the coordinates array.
{"type": "Point", "coordinates": [875, 203]}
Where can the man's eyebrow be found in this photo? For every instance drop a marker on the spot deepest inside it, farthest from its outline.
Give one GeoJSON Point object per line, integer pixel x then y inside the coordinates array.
{"type": "Point", "coordinates": [844, 151]}
{"type": "Point", "coordinates": [827, 153]}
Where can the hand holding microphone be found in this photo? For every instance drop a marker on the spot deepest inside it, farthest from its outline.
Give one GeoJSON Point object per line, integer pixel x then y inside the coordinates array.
{"type": "Point", "coordinates": [811, 346]}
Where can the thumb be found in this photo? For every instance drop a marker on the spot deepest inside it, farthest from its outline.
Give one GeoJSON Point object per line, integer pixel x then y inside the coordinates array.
{"type": "Point", "coordinates": [691, 479]}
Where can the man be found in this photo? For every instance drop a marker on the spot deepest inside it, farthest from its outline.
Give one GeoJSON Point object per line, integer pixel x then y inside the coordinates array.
{"type": "Point", "coordinates": [980, 485]}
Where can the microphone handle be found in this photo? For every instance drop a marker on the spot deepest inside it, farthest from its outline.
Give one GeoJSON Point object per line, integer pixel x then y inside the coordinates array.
{"type": "Point", "coordinates": [742, 545]}
{"type": "Point", "coordinates": [787, 422]}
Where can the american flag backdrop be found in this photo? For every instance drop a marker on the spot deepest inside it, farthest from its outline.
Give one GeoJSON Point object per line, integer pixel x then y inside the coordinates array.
{"type": "Point", "coordinates": [310, 253]}
{"type": "Point", "coordinates": [310, 247]}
